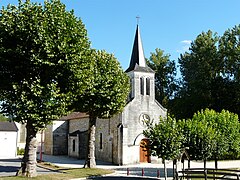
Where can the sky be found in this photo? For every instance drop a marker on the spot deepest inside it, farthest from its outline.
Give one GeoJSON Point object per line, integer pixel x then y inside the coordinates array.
{"type": "Point", "coordinates": [170, 25]}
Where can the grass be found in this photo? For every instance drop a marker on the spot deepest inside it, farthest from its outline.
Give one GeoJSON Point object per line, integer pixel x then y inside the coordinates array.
{"type": "Point", "coordinates": [201, 176]}
{"type": "Point", "coordinates": [63, 174]}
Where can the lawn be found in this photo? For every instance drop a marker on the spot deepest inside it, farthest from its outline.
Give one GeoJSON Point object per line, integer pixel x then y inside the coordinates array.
{"type": "Point", "coordinates": [64, 174]}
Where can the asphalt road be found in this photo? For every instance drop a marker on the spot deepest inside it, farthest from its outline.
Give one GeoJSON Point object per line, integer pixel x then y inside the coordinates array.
{"type": "Point", "coordinates": [9, 167]}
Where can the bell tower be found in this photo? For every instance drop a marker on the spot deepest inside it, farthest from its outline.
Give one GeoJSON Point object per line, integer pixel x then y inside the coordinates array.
{"type": "Point", "coordinates": [142, 76]}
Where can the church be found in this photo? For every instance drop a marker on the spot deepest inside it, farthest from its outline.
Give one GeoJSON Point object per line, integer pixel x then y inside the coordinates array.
{"type": "Point", "coordinates": [119, 140]}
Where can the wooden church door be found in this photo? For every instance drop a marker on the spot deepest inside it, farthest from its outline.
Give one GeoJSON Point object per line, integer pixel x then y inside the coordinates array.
{"type": "Point", "coordinates": [144, 151]}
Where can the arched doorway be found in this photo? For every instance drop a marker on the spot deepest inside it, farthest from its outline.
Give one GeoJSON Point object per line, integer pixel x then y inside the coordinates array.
{"type": "Point", "coordinates": [144, 151]}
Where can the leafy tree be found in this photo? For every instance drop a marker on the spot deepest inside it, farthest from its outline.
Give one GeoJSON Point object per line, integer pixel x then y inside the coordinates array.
{"type": "Point", "coordinates": [229, 48]}
{"type": "Point", "coordinates": [3, 118]}
{"type": "Point", "coordinates": [227, 133]}
{"type": "Point", "coordinates": [166, 138]}
{"type": "Point", "coordinates": [44, 62]}
{"type": "Point", "coordinates": [198, 67]}
{"type": "Point", "coordinates": [210, 74]}
{"type": "Point", "coordinates": [105, 97]}
{"type": "Point", "coordinates": [212, 135]}
{"type": "Point", "coordinates": [200, 138]}
{"type": "Point", "coordinates": [165, 72]}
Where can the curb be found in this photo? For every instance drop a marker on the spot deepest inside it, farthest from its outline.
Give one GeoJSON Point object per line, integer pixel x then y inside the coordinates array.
{"type": "Point", "coordinates": [48, 168]}
{"type": "Point", "coordinates": [112, 174]}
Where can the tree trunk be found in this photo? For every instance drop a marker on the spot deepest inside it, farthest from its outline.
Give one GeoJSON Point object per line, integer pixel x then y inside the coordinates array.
{"type": "Point", "coordinates": [216, 163]}
{"type": "Point", "coordinates": [90, 159]}
{"type": "Point", "coordinates": [29, 160]}
{"type": "Point", "coordinates": [165, 169]}
{"type": "Point", "coordinates": [205, 164]}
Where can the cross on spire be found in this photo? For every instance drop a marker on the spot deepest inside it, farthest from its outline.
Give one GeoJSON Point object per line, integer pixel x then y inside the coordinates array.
{"type": "Point", "coordinates": [138, 17]}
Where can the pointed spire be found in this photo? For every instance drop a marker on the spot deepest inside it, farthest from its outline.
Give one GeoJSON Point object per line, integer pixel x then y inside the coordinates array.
{"type": "Point", "coordinates": [138, 57]}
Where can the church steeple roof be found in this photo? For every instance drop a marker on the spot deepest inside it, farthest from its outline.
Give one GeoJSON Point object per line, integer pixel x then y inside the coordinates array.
{"type": "Point", "coordinates": [138, 62]}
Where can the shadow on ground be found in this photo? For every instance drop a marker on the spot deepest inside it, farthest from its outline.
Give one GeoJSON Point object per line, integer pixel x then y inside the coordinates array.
{"type": "Point", "coordinates": [120, 178]}
{"type": "Point", "coordinates": [9, 168]}
{"type": "Point", "coordinates": [149, 172]}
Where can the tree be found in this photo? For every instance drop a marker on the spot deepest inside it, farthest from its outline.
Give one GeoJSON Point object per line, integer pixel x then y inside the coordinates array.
{"type": "Point", "coordinates": [44, 62]}
{"type": "Point", "coordinates": [212, 135]}
{"type": "Point", "coordinates": [228, 130]}
{"type": "Point", "coordinates": [105, 97]}
{"type": "Point", "coordinates": [229, 50]}
{"type": "Point", "coordinates": [166, 139]}
{"type": "Point", "coordinates": [198, 67]}
{"type": "Point", "coordinates": [165, 72]}
{"type": "Point", "coordinates": [201, 136]}
{"type": "Point", "coordinates": [3, 118]}
{"type": "Point", "coordinates": [210, 74]}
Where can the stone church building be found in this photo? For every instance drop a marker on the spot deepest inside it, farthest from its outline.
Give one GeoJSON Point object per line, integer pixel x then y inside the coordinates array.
{"type": "Point", "coordinates": [120, 139]}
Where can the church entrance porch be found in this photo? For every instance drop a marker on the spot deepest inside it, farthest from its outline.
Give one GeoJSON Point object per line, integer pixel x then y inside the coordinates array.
{"type": "Point", "coordinates": [144, 151]}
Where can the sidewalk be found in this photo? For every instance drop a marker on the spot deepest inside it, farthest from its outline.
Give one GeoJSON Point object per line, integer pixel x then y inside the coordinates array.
{"type": "Point", "coordinates": [65, 161]}
{"type": "Point", "coordinates": [150, 169]}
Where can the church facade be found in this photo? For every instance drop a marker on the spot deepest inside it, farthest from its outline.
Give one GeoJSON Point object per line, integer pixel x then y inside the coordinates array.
{"type": "Point", "coordinates": [120, 139]}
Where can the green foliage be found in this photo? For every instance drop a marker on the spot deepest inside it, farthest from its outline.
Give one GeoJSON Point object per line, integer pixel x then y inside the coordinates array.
{"type": "Point", "coordinates": [198, 67]}
{"type": "Point", "coordinates": [44, 57]}
{"type": "Point", "coordinates": [109, 88]}
{"type": "Point", "coordinates": [44, 64]}
{"type": "Point", "coordinates": [200, 137]}
{"type": "Point", "coordinates": [229, 48]}
{"type": "Point", "coordinates": [165, 72]}
{"type": "Point", "coordinates": [166, 138]}
{"type": "Point", "coordinates": [105, 96]}
{"type": "Point", "coordinates": [20, 151]}
{"type": "Point", "coordinates": [207, 135]}
{"type": "Point", "coordinates": [3, 118]}
{"type": "Point", "coordinates": [210, 135]}
{"type": "Point", "coordinates": [210, 74]}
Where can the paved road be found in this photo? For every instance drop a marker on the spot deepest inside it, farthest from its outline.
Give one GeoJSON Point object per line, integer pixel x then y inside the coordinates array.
{"type": "Point", "coordinates": [9, 167]}
{"type": "Point", "coordinates": [135, 171]}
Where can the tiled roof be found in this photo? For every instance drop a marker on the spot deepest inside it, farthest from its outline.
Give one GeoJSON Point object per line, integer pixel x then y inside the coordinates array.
{"type": "Point", "coordinates": [8, 126]}
{"type": "Point", "coordinates": [142, 69]}
{"type": "Point", "coordinates": [74, 115]}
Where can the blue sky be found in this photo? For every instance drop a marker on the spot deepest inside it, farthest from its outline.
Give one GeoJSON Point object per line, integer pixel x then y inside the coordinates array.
{"type": "Point", "coordinates": [166, 24]}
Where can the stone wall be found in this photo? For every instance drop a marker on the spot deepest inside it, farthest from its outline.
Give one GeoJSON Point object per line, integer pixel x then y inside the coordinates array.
{"type": "Point", "coordinates": [56, 138]}
{"type": "Point", "coordinates": [60, 138]}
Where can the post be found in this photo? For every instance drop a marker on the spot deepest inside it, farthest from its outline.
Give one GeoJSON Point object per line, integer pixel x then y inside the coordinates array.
{"type": "Point", "coordinates": [142, 172]}
{"type": "Point", "coordinates": [41, 145]}
{"type": "Point", "coordinates": [174, 169]}
{"type": "Point", "coordinates": [158, 173]}
{"type": "Point", "coordinates": [183, 169]}
{"type": "Point", "coordinates": [128, 171]}
{"type": "Point", "coordinates": [205, 174]}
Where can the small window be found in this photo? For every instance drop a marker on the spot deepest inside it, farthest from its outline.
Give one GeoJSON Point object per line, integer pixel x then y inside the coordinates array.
{"type": "Point", "coordinates": [73, 145]}
{"type": "Point", "coordinates": [100, 141]}
{"type": "Point", "coordinates": [142, 86]}
{"type": "Point", "coordinates": [148, 86]}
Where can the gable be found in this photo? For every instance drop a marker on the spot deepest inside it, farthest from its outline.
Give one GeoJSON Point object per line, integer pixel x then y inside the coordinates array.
{"type": "Point", "coordinates": [8, 126]}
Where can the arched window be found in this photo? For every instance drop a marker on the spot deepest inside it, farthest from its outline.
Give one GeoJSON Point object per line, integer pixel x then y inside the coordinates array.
{"type": "Point", "coordinates": [73, 145]}
{"type": "Point", "coordinates": [131, 90]}
{"type": "Point", "coordinates": [148, 86]}
{"type": "Point", "coordinates": [142, 86]}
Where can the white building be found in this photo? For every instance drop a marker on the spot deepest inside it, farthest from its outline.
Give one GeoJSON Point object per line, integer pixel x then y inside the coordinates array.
{"type": "Point", "coordinates": [8, 139]}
